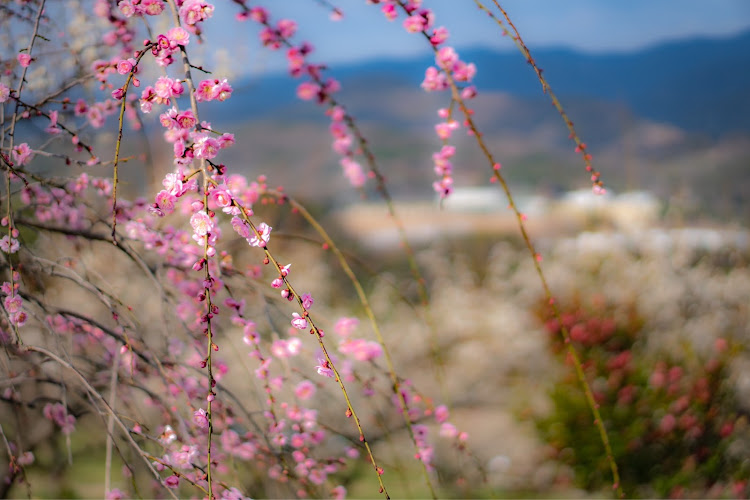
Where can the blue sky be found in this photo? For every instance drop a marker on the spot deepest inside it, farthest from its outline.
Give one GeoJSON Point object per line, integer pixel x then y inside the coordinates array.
{"type": "Point", "coordinates": [588, 25]}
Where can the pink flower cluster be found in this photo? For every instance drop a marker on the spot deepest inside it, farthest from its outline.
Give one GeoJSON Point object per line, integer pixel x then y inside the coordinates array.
{"type": "Point", "coordinates": [130, 8]}
{"type": "Point", "coordinates": [58, 413]}
{"type": "Point", "coordinates": [315, 88]}
{"type": "Point", "coordinates": [273, 37]}
{"type": "Point", "coordinates": [174, 187]}
{"type": "Point", "coordinates": [95, 113]}
{"type": "Point", "coordinates": [448, 67]}
{"type": "Point", "coordinates": [437, 78]}
{"type": "Point", "coordinates": [167, 44]}
{"type": "Point", "coordinates": [343, 144]}
{"type": "Point", "coordinates": [52, 128]}
{"type": "Point", "coordinates": [193, 12]}
{"type": "Point", "coordinates": [12, 302]}
{"type": "Point", "coordinates": [58, 204]}
{"type": "Point", "coordinates": [22, 154]}
{"type": "Point", "coordinates": [9, 243]}
{"type": "Point", "coordinates": [162, 92]}
{"type": "Point", "coordinates": [209, 90]}
{"type": "Point", "coordinates": [172, 119]}
{"type": "Point", "coordinates": [444, 168]}
{"type": "Point", "coordinates": [24, 59]}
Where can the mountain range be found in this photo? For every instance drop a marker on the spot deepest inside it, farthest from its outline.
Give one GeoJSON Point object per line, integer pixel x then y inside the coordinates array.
{"type": "Point", "coordinates": [698, 85]}
{"type": "Point", "coordinates": [673, 119]}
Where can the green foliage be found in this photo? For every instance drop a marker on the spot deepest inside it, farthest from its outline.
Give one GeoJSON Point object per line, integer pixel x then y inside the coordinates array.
{"type": "Point", "coordinates": [672, 417]}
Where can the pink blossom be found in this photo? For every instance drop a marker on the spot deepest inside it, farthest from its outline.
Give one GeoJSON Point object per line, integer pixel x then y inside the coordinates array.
{"type": "Point", "coordinates": [24, 59]}
{"type": "Point", "coordinates": [125, 66]}
{"type": "Point", "coordinates": [225, 140]}
{"type": "Point", "coordinates": [166, 87]}
{"type": "Point", "coordinates": [4, 92]}
{"type": "Point", "coordinates": [448, 430]}
{"type": "Point", "coordinates": [389, 10]}
{"type": "Point", "coordinates": [222, 90]}
{"type": "Point", "coordinates": [233, 493]}
{"type": "Point", "coordinates": [172, 481]}
{"type": "Point", "coordinates": [305, 390]}
{"type": "Point", "coordinates": [9, 245]}
{"type": "Point", "coordinates": [307, 90]}
{"type": "Point", "coordinates": [178, 36]}
{"type": "Point", "coordinates": [294, 346]}
{"type": "Point", "coordinates": [52, 128]}
{"type": "Point", "coordinates": [221, 197]}
{"type": "Point", "coordinates": [469, 92]}
{"type": "Point", "coordinates": [167, 436]}
{"type": "Point", "coordinates": [241, 227]}
{"type": "Point", "coordinates": [278, 349]}
{"type": "Point", "coordinates": [415, 23]}
{"type": "Point", "coordinates": [200, 417]}
{"type": "Point", "coordinates": [337, 114]}
{"type": "Point", "coordinates": [166, 201]}
{"type": "Point", "coordinates": [80, 108]}
{"type": "Point", "coordinates": [463, 72]}
{"type": "Point", "coordinates": [195, 11]}
{"type": "Point", "coordinates": [445, 129]}
{"type": "Point", "coordinates": [336, 15]}
{"type": "Point", "coordinates": [446, 58]}
{"type": "Point", "coordinates": [324, 368]}
{"type": "Point", "coordinates": [21, 154]}
{"type": "Point", "coordinates": [338, 493]}
{"type": "Point", "coordinates": [296, 58]}
{"type": "Point", "coordinates": [287, 28]}
{"type": "Point", "coordinates": [269, 38]}
{"type": "Point", "coordinates": [12, 303]}
{"type": "Point", "coordinates": [186, 119]}
{"type": "Point", "coordinates": [209, 90]}
{"type": "Point", "coordinates": [167, 119]}
{"type": "Point", "coordinates": [441, 414]}
{"type": "Point", "coordinates": [172, 183]}
{"type": "Point", "coordinates": [152, 7]}
{"type": "Point", "coordinates": [58, 413]}
{"type": "Point", "coordinates": [115, 494]}
{"type": "Point", "coordinates": [126, 7]}
{"type": "Point", "coordinates": [27, 458]}
{"type": "Point", "coordinates": [345, 326]}
{"type": "Point", "coordinates": [184, 457]}
{"type": "Point", "coordinates": [360, 349]}
{"type": "Point", "coordinates": [444, 187]}
{"type": "Point", "coordinates": [95, 116]}
{"type": "Point", "coordinates": [264, 231]}
{"type": "Point", "coordinates": [19, 319]}
{"type": "Point", "coordinates": [201, 223]}
{"type": "Point", "coordinates": [440, 35]}
{"type": "Point", "coordinates": [353, 171]}
{"type": "Point", "coordinates": [206, 147]}
{"type": "Point", "coordinates": [299, 322]}
{"type": "Point", "coordinates": [307, 301]}
{"type": "Point", "coordinates": [434, 80]}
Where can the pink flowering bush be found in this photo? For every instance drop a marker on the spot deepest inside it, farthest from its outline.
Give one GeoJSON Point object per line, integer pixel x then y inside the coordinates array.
{"type": "Point", "coordinates": [679, 425]}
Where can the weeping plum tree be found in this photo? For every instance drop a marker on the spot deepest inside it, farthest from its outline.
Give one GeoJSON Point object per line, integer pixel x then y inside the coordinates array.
{"type": "Point", "coordinates": [123, 318]}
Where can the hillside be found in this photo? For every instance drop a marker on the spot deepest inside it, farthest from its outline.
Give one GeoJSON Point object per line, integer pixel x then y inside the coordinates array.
{"type": "Point", "coordinates": [673, 119]}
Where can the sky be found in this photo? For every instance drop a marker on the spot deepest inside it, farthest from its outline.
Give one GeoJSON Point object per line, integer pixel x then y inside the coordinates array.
{"type": "Point", "coordinates": [587, 25]}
